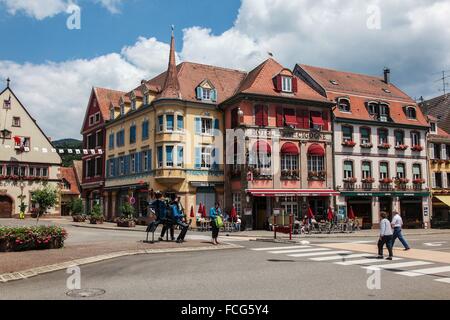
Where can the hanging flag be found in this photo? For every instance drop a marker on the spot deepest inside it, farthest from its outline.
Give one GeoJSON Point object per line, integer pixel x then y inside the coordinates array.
{"type": "Point", "coordinates": [7, 103]}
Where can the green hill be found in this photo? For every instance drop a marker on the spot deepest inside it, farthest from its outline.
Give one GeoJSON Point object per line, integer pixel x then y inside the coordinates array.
{"type": "Point", "coordinates": [67, 159]}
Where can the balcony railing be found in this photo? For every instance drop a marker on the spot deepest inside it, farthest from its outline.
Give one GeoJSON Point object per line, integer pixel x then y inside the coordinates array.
{"type": "Point", "coordinates": [381, 187]}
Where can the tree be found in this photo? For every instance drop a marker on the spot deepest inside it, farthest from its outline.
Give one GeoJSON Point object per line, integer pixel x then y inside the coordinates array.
{"type": "Point", "coordinates": [76, 206]}
{"type": "Point", "coordinates": [45, 198]}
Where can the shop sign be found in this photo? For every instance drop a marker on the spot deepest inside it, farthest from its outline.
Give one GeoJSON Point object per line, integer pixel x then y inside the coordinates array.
{"type": "Point", "coordinates": [248, 212]}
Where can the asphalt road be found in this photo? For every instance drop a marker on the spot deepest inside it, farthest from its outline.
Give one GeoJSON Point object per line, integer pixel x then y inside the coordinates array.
{"type": "Point", "coordinates": [244, 274]}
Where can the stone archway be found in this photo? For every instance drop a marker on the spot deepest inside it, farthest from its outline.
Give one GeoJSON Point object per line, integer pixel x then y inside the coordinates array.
{"type": "Point", "coordinates": [6, 206]}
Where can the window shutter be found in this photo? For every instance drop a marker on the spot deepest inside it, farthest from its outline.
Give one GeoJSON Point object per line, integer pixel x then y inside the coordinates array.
{"type": "Point", "coordinates": [325, 120]}
{"type": "Point", "coordinates": [444, 180]}
{"type": "Point", "coordinates": [149, 160]}
{"type": "Point", "coordinates": [433, 180]}
{"type": "Point", "coordinates": [432, 155]}
{"type": "Point", "coordinates": [279, 85]}
{"type": "Point", "coordinates": [198, 158]}
{"type": "Point", "coordinates": [258, 116]}
{"type": "Point", "coordinates": [108, 172]}
{"type": "Point", "coordinates": [138, 162]}
{"type": "Point", "coordinates": [265, 114]}
{"type": "Point", "coordinates": [294, 84]}
{"type": "Point", "coordinates": [215, 158]}
{"type": "Point", "coordinates": [216, 127]}
{"type": "Point", "coordinates": [199, 93]}
{"type": "Point", "coordinates": [127, 164]}
{"type": "Point", "coordinates": [444, 152]}
{"type": "Point", "coordinates": [213, 95]}
{"type": "Point", "coordinates": [198, 125]}
{"type": "Point", "coordinates": [280, 116]}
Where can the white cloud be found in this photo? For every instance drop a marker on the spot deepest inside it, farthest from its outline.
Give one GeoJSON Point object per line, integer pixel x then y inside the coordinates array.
{"type": "Point", "coordinates": [111, 5]}
{"type": "Point", "coordinates": [37, 9]}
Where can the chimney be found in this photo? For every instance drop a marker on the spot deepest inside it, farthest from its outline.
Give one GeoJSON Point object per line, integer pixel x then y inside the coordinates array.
{"type": "Point", "coordinates": [387, 75]}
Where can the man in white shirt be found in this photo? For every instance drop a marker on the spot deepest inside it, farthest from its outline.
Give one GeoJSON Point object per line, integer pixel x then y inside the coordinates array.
{"type": "Point", "coordinates": [385, 236]}
{"type": "Point", "coordinates": [397, 224]}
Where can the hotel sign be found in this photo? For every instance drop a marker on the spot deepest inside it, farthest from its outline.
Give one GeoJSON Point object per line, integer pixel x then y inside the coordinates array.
{"type": "Point", "coordinates": [288, 133]}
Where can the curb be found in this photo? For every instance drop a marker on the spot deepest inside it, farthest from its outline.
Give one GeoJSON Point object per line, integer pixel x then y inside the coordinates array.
{"type": "Point", "coordinates": [20, 275]}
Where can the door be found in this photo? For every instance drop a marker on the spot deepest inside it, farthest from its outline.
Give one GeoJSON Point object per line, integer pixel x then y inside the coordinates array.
{"type": "Point", "coordinates": [207, 197]}
{"type": "Point", "coordinates": [260, 212]}
{"type": "Point", "coordinates": [5, 207]}
{"type": "Point", "coordinates": [386, 205]}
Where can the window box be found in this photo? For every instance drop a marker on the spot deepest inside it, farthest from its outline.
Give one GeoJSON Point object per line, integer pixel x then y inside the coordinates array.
{"type": "Point", "coordinates": [317, 176]}
{"type": "Point", "coordinates": [386, 181]}
{"type": "Point", "coordinates": [401, 181]}
{"type": "Point", "coordinates": [350, 180]}
{"type": "Point", "coordinates": [417, 148]}
{"type": "Point", "coordinates": [349, 143]}
{"type": "Point", "coordinates": [418, 181]}
{"type": "Point", "coordinates": [290, 175]}
{"type": "Point", "coordinates": [367, 145]}
{"type": "Point", "coordinates": [401, 147]}
{"type": "Point", "coordinates": [368, 180]}
{"type": "Point", "coordinates": [384, 146]}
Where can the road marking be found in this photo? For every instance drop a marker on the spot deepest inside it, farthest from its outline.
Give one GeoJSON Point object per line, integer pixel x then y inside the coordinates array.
{"type": "Point", "coordinates": [350, 256]}
{"type": "Point", "coordinates": [435, 244]}
{"type": "Point", "coordinates": [399, 265]}
{"type": "Point", "coordinates": [421, 272]}
{"type": "Point", "coordinates": [446, 280]}
{"type": "Point", "coordinates": [299, 250]}
{"type": "Point", "coordinates": [279, 248]}
{"type": "Point", "coordinates": [312, 254]}
{"type": "Point", "coordinates": [363, 261]}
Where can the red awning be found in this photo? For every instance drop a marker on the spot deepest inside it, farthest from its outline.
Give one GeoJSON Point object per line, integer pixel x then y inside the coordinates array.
{"type": "Point", "coordinates": [289, 116]}
{"type": "Point", "coordinates": [316, 150]}
{"type": "Point", "coordinates": [317, 119]}
{"type": "Point", "coordinates": [262, 146]}
{"type": "Point", "coordinates": [289, 148]}
{"type": "Point", "coordinates": [292, 192]}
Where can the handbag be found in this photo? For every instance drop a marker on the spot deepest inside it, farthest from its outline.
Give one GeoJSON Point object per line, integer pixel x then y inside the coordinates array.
{"type": "Point", "coordinates": [219, 222]}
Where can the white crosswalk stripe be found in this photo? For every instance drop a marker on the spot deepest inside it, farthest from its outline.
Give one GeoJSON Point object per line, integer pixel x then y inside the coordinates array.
{"type": "Point", "coordinates": [363, 261]}
{"type": "Point", "coordinates": [299, 250]}
{"type": "Point", "coordinates": [399, 265]}
{"type": "Point", "coordinates": [313, 254]}
{"type": "Point", "coordinates": [341, 257]}
{"type": "Point", "coordinates": [279, 248]}
{"type": "Point", "coordinates": [445, 280]}
{"type": "Point", "coordinates": [421, 272]}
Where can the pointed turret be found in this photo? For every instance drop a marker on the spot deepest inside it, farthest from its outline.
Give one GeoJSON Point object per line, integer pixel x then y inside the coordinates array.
{"type": "Point", "coordinates": [171, 87]}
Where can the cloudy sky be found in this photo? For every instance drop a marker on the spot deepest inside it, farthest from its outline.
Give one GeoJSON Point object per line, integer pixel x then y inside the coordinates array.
{"type": "Point", "coordinates": [121, 42]}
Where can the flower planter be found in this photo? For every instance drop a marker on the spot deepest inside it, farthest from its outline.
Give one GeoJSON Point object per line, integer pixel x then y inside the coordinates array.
{"type": "Point", "coordinates": [4, 245]}
{"type": "Point", "coordinates": [384, 146]}
{"type": "Point", "coordinates": [126, 224]}
{"type": "Point", "coordinates": [367, 146]}
{"type": "Point", "coordinates": [79, 218]}
{"type": "Point", "coordinates": [417, 148]}
{"type": "Point", "coordinates": [96, 220]}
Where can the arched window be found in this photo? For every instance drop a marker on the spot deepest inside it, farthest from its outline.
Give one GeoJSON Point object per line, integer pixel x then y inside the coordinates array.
{"type": "Point", "coordinates": [263, 153]}
{"type": "Point", "coordinates": [289, 157]}
{"type": "Point", "coordinates": [344, 105]}
{"type": "Point", "coordinates": [399, 138]}
{"type": "Point", "coordinates": [316, 160]}
{"type": "Point", "coordinates": [365, 135]}
{"type": "Point", "coordinates": [411, 112]}
{"type": "Point", "coordinates": [347, 134]}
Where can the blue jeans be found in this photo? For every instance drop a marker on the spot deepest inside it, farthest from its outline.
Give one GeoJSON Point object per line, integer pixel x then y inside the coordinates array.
{"type": "Point", "coordinates": [398, 234]}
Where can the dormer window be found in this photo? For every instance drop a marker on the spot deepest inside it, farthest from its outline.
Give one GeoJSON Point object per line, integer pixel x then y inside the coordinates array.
{"type": "Point", "coordinates": [380, 111]}
{"type": "Point", "coordinates": [411, 113]}
{"type": "Point", "coordinates": [206, 92]}
{"type": "Point", "coordinates": [433, 127]}
{"type": "Point", "coordinates": [145, 99]}
{"type": "Point", "coordinates": [286, 84]}
{"type": "Point", "coordinates": [111, 114]}
{"type": "Point", "coordinates": [344, 105]}
{"type": "Point", "coordinates": [122, 109]}
{"type": "Point", "coordinates": [334, 82]}
{"type": "Point", "coordinates": [384, 113]}
{"type": "Point", "coordinates": [133, 104]}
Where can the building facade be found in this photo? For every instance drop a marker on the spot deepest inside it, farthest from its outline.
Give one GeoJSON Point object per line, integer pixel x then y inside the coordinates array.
{"type": "Point", "coordinates": [27, 158]}
{"type": "Point", "coordinates": [166, 135]}
{"type": "Point", "coordinates": [439, 155]}
{"type": "Point", "coordinates": [278, 148]}
{"type": "Point", "coordinates": [93, 131]}
{"type": "Point", "coordinates": [70, 189]}
{"type": "Point", "coordinates": [380, 147]}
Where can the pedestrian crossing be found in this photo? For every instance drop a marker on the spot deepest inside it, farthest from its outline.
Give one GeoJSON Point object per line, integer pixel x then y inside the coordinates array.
{"type": "Point", "coordinates": [401, 266]}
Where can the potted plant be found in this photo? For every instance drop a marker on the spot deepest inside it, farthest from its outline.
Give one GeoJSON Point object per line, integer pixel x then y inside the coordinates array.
{"type": "Point", "coordinates": [417, 148]}
{"type": "Point", "coordinates": [350, 180]}
{"type": "Point", "coordinates": [127, 219]}
{"type": "Point", "coordinates": [401, 147]}
{"type": "Point", "coordinates": [367, 145]}
{"type": "Point", "coordinates": [368, 180]}
{"type": "Point", "coordinates": [384, 146]}
{"type": "Point", "coordinates": [349, 143]}
{"type": "Point", "coordinates": [386, 180]}
{"type": "Point", "coordinates": [76, 209]}
{"type": "Point", "coordinates": [418, 181]}
{"type": "Point", "coordinates": [96, 216]}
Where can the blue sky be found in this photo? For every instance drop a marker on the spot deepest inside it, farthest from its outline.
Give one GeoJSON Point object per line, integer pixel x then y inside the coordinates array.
{"type": "Point", "coordinates": [121, 42]}
{"type": "Point", "coordinates": [103, 32]}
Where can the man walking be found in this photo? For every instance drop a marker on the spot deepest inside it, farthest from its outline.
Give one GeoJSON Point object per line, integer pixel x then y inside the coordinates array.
{"type": "Point", "coordinates": [397, 224]}
{"type": "Point", "coordinates": [385, 237]}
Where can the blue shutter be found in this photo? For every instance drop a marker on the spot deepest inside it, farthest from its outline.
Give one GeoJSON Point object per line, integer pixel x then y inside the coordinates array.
{"type": "Point", "coordinates": [126, 165]}
{"type": "Point", "coordinates": [198, 125]}
{"type": "Point", "coordinates": [199, 93]}
{"type": "Point", "coordinates": [133, 134]}
{"type": "Point", "coordinates": [144, 130]}
{"type": "Point", "coordinates": [180, 123]}
{"type": "Point", "coordinates": [108, 173]}
{"type": "Point", "coordinates": [198, 158]}
{"type": "Point", "coordinates": [118, 139]}
{"type": "Point", "coordinates": [214, 95]}
{"type": "Point", "coordinates": [215, 158]}
{"type": "Point", "coordinates": [160, 155]}
{"type": "Point", "coordinates": [216, 127]}
{"type": "Point", "coordinates": [149, 159]}
{"type": "Point", "coordinates": [138, 162]}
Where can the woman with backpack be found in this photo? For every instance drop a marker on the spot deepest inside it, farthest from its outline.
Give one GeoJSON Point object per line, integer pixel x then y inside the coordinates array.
{"type": "Point", "coordinates": [216, 222]}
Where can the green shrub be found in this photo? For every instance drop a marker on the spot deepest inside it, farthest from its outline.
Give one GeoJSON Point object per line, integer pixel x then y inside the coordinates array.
{"type": "Point", "coordinates": [31, 238]}
{"type": "Point", "coordinates": [76, 207]}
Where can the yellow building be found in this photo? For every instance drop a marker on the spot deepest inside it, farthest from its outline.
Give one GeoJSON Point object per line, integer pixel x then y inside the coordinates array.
{"type": "Point", "coordinates": [439, 155]}
{"type": "Point", "coordinates": [166, 135]}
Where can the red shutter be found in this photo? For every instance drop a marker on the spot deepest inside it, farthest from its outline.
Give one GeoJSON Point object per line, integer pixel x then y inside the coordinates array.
{"type": "Point", "coordinates": [280, 116]}
{"type": "Point", "coordinates": [305, 120]}
{"type": "Point", "coordinates": [265, 114]}
{"type": "Point", "coordinates": [259, 116]}
{"type": "Point", "coordinates": [279, 85]}
{"type": "Point", "coordinates": [325, 120]}
{"type": "Point", "coordinates": [294, 84]}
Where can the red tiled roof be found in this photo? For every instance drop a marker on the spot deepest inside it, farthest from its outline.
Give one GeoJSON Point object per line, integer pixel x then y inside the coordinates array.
{"type": "Point", "coordinates": [260, 81]}
{"type": "Point", "coordinates": [360, 89]}
{"type": "Point", "coordinates": [439, 108]}
{"type": "Point", "coordinates": [191, 75]}
{"type": "Point", "coordinates": [105, 97]}
{"type": "Point", "coordinates": [69, 175]}
{"type": "Point", "coordinates": [78, 167]}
